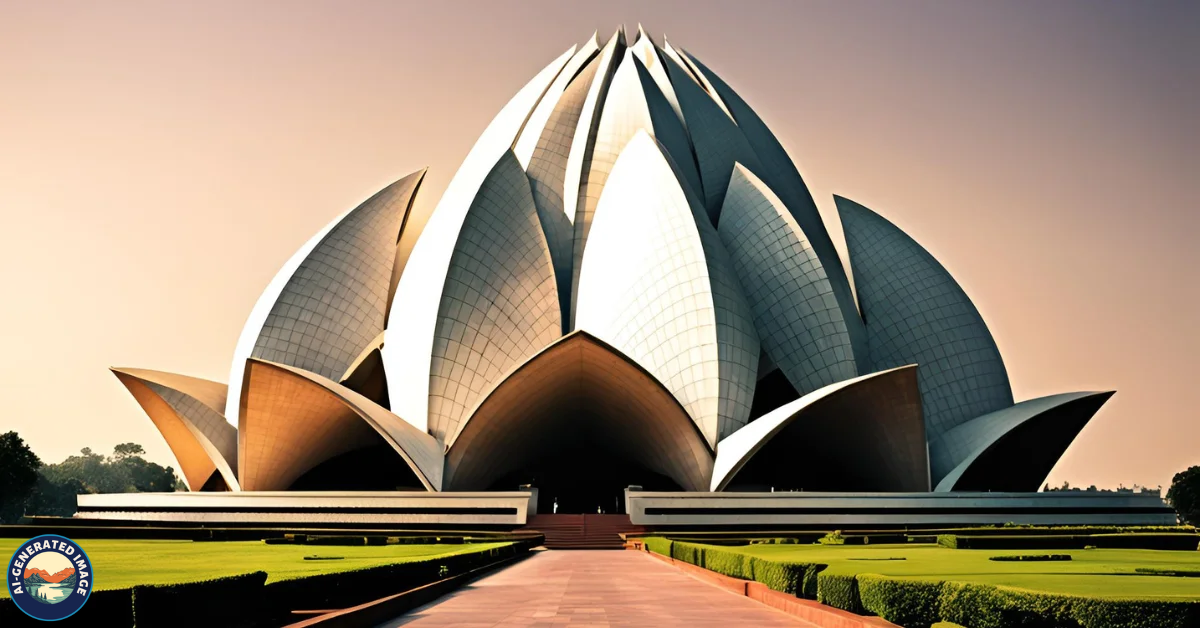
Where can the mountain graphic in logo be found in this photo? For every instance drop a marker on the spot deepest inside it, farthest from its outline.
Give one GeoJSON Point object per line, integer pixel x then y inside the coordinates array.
{"type": "Point", "coordinates": [45, 577]}
{"type": "Point", "coordinates": [47, 588]}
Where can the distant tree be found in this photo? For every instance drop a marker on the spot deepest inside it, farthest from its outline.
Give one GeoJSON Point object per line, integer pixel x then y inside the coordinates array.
{"type": "Point", "coordinates": [146, 476]}
{"type": "Point", "coordinates": [127, 450]}
{"type": "Point", "coordinates": [126, 471]}
{"type": "Point", "coordinates": [1184, 495]}
{"type": "Point", "coordinates": [18, 476]}
{"type": "Point", "coordinates": [54, 500]}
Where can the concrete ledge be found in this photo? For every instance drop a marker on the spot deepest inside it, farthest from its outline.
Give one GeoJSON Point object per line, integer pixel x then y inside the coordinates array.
{"type": "Point", "coordinates": [760, 511]}
{"type": "Point", "coordinates": [375, 508]}
{"type": "Point", "coordinates": [807, 610]}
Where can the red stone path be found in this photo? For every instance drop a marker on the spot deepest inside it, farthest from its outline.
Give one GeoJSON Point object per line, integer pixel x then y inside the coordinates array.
{"type": "Point", "coordinates": [593, 588]}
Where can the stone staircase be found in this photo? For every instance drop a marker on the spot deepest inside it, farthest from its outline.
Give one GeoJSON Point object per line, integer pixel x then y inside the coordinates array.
{"type": "Point", "coordinates": [582, 531]}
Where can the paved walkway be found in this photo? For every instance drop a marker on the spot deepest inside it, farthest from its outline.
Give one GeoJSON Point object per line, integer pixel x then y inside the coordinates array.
{"type": "Point", "coordinates": [593, 588]}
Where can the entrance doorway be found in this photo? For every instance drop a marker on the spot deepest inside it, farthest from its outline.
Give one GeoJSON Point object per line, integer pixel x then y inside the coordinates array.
{"type": "Point", "coordinates": [584, 480]}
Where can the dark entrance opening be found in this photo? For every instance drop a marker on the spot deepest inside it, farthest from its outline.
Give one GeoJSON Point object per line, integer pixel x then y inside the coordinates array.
{"type": "Point", "coordinates": [584, 480]}
{"type": "Point", "coordinates": [374, 468]}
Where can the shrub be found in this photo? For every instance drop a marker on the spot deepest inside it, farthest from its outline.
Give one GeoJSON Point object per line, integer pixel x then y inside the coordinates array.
{"type": "Point", "coordinates": [989, 606]}
{"type": "Point", "coordinates": [790, 578]}
{"type": "Point", "coordinates": [104, 608]}
{"type": "Point", "coordinates": [1030, 557]}
{"type": "Point", "coordinates": [808, 584]}
{"type": "Point", "coordinates": [1187, 542]}
{"type": "Point", "coordinates": [1178, 573]}
{"type": "Point", "coordinates": [833, 538]}
{"type": "Point", "coordinates": [799, 579]}
{"type": "Point", "coordinates": [192, 603]}
{"type": "Point", "coordinates": [839, 591]}
{"type": "Point", "coordinates": [1179, 542]}
{"type": "Point", "coordinates": [1100, 613]}
{"type": "Point", "coordinates": [909, 603]}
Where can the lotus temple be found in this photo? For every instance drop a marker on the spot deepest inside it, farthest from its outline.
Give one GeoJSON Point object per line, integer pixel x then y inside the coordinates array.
{"type": "Point", "coordinates": [626, 301]}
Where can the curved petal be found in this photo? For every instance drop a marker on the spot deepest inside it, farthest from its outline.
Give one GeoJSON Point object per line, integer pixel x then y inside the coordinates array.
{"type": "Point", "coordinates": [579, 155]}
{"type": "Point", "coordinates": [718, 142]}
{"type": "Point", "coordinates": [187, 411]}
{"type": "Point", "coordinates": [779, 172]}
{"type": "Point", "coordinates": [656, 284]}
{"type": "Point", "coordinates": [917, 314]}
{"type": "Point", "coordinates": [633, 103]}
{"type": "Point", "coordinates": [695, 74]}
{"type": "Point", "coordinates": [646, 52]}
{"type": "Point", "coordinates": [862, 434]}
{"type": "Point", "coordinates": [1013, 449]}
{"type": "Point", "coordinates": [414, 320]}
{"type": "Point", "coordinates": [535, 127]}
{"type": "Point", "coordinates": [785, 283]}
{"type": "Point", "coordinates": [331, 298]}
{"type": "Point", "coordinates": [548, 172]}
{"type": "Point", "coordinates": [499, 304]}
{"type": "Point", "coordinates": [294, 420]}
{"type": "Point", "coordinates": [579, 389]}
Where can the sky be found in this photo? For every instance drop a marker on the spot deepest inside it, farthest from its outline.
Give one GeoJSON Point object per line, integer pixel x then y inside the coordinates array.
{"type": "Point", "coordinates": [159, 161]}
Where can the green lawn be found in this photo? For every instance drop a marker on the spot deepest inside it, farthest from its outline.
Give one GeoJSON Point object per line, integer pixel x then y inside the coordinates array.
{"type": "Point", "coordinates": [1094, 572]}
{"type": "Point", "coordinates": [121, 564]}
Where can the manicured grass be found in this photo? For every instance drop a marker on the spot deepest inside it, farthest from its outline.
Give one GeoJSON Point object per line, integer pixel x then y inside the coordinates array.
{"type": "Point", "coordinates": [1106, 573]}
{"type": "Point", "coordinates": [121, 564]}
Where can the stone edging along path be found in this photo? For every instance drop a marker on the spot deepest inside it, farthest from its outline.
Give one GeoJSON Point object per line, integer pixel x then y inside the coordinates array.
{"type": "Point", "coordinates": [808, 610]}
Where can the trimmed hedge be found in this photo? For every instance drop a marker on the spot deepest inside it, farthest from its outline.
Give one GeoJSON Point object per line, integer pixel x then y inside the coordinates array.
{"type": "Point", "coordinates": [920, 603]}
{"type": "Point", "coordinates": [909, 603]}
{"type": "Point", "coordinates": [1177, 573]}
{"type": "Point", "coordinates": [1020, 558]}
{"type": "Point", "coordinates": [1056, 530]}
{"type": "Point", "coordinates": [799, 579]}
{"type": "Point", "coordinates": [112, 608]}
{"type": "Point", "coordinates": [1176, 542]}
{"type": "Point", "coordinates": [989, 606]}
{"type": "Point", "coordinates": [195, 603]}
{"type": "Point", "coordinates": [840, 591]}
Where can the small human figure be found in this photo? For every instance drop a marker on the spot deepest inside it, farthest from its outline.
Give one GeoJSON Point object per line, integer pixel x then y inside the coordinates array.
{"type": "Point", "coordinates": [555, 507]}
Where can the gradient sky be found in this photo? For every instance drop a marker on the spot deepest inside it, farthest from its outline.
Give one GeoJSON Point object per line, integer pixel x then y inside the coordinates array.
{"type": "Point", "coordinates": [159, 161]}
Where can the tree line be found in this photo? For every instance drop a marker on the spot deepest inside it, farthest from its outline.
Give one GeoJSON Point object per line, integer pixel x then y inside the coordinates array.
{"type": "Point", "coordinates": [29, 487]}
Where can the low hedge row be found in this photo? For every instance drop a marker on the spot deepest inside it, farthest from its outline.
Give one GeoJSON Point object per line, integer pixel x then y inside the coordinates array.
{"type": "Point", "coordinates": [903, 602]}
{"type": "Point", "coordinates": [103, 608]}
{"type": "Point", "coordinates": [246, 600]}
{"type": "Point", "coordinates": [193, 603]}
{"type": "Point", "coordinates": [1176, 542]}
{"type": "Point", "coordinates": [234, 601]}
{"type": "Point", "coordinates": [989, 606]}
{"type": "Point", "coordinates": [359, 540]}
{"type": "Point", "coordinates": [1021, 558]}
{"type": "Point", "coordinates": [1178, 573]}
{"type": "Point", "coordinates": [921, 603]}
{"type": "Point", "coordinates": [799, 579]}
{"type": "Point", "coordinates": [1022, 530]}
{"type": "Point", "coordinates": [840, 591]}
